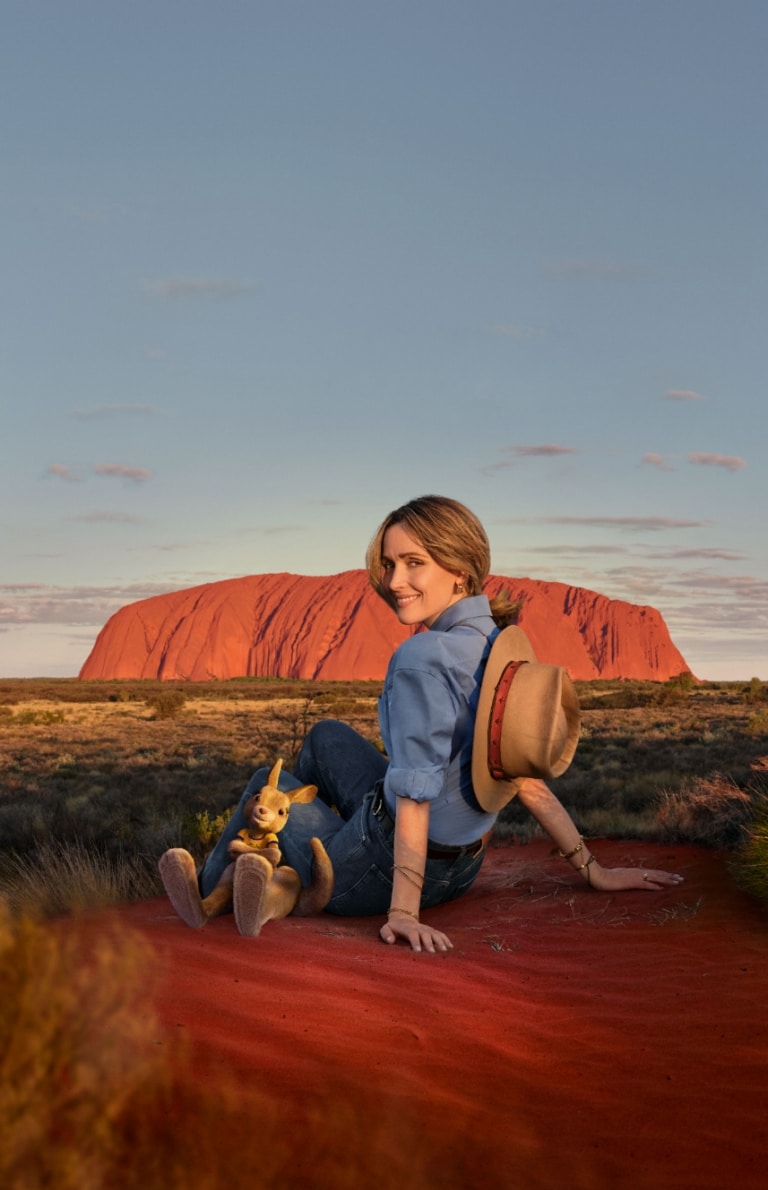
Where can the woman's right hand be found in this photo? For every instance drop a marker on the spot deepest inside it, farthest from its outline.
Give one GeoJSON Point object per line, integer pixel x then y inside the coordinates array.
{"type": "Point", "coordinates": [415, 932]}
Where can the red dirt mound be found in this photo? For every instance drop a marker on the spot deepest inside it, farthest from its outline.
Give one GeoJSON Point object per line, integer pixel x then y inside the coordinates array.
{"type": "Point", "coordinates": [571, 1038]}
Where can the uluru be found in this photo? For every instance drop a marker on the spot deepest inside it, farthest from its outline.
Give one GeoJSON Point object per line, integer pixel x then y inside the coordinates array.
{"type": "Point", "coordinates": [335, 627]}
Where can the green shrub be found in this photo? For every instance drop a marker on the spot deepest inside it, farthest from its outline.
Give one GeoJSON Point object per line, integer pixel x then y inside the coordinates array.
{"type": "Point", "coordinates": [206, 830]}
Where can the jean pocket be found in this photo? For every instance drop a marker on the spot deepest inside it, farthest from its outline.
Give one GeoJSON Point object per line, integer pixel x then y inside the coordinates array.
{"type": "Point", "coordinates": [369, 895]}
{"type": "Point", "coordinates": [435, 890]}
{"type": "Point", "coordinates": [452, 883]}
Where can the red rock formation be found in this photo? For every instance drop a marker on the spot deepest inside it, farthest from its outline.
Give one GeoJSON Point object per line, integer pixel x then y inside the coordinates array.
{"type": "Point", "coordinates": [335, 627]}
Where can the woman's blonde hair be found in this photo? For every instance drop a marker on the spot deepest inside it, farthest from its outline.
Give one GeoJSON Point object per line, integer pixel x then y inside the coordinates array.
{"type": "Point", "coordinates": [453, 536]}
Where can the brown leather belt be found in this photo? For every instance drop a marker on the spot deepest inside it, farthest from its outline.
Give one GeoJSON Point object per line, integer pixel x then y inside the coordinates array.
{"type": "Point", "coordinates": [439, 851]}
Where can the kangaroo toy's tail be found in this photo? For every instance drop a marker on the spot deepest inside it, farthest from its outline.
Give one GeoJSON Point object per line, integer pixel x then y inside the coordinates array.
{"type": "Point", "coordinates": [315, 897]}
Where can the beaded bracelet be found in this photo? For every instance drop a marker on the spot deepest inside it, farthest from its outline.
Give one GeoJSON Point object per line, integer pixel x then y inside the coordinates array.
{"type": "Point", "coordinates": [575, 851]}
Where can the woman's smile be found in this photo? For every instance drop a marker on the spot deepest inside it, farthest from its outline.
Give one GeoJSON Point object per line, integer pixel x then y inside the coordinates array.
{"type": "Point", "coordinates": [419, 588]}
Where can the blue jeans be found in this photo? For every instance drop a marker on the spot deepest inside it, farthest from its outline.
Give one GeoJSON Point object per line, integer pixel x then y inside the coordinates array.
{"type": "Point", "coordinates": [348, 772]}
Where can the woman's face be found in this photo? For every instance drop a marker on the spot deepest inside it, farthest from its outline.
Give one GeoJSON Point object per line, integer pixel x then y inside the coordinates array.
{"type": "Point", "coordinates": [419, 588]}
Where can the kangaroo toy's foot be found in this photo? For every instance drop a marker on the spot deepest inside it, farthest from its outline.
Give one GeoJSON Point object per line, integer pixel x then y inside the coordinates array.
{"type": "Point", "coordinates": [262, 893]}
{"type": "Point", "coordinates": [253, 875]}
{"type": "Point", "coordinates": [177, 872]}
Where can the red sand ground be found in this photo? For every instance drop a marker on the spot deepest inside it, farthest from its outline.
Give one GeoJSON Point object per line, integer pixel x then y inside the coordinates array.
{"type": "Point", "coordinates": [571, 1038]}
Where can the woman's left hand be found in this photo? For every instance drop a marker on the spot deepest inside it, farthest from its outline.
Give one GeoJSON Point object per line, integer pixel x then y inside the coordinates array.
{"type": "Point", "coordinates": [618, 879]}
{"type": "Point", "coordinates": [420, 936]}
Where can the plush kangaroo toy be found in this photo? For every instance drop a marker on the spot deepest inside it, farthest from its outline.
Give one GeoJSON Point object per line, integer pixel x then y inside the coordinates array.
{"type": "Point", "coordinates": [253, 884]}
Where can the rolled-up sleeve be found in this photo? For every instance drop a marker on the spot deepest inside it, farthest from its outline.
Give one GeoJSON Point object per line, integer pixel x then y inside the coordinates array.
{"type": "Point", "coordinates": [418, 716]}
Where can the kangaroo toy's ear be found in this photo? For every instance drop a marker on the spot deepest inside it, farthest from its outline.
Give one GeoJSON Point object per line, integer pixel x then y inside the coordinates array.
{"type": "Point", "coordinates": [307, 793]}
{"type": "Point", "coordinates": [274, 776]}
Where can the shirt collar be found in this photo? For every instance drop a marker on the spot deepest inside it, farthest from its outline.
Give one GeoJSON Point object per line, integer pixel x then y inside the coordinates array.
{"type": "Point", "coordinates": [471, 607]}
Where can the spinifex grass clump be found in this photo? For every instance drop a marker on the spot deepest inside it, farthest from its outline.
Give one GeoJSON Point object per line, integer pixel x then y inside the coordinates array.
{"type": "Point", "coordinates": [708, 811]}
{"type": "Point", "coordinates": [750, 864]}
{"type": "Point", "coordinates": [73, 1051]}
{"type": "Point", "coordinates": [67, 877]}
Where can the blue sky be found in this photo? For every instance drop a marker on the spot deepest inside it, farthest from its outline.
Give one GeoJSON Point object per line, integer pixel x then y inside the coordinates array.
{"type": "Point", "coordinates": [269, 269]}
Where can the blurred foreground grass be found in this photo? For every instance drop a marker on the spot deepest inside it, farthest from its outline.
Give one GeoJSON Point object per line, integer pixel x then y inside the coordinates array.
{"type": "Point", "coordinates": [96, 1094]}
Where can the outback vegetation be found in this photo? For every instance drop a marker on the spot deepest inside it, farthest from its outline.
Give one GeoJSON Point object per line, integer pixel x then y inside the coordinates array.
{"type": "Point", "coordinates": [97, 779]}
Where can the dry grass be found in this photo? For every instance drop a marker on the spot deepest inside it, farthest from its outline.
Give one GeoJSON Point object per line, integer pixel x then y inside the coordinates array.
{"type": "Point", "coordinates": [66, 878]}
{"type": "Point", "coordinates": [710, 811]}
{"type": "Point", "coordinates": [93, 770]}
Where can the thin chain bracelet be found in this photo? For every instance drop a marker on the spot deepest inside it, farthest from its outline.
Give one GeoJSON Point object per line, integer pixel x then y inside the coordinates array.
{"type": "Point", "coordinates": [581, 868]}
{"type": "Point", "coordinates": [405, 871]}
{"type": "Point", "coordinates": [396, 909]}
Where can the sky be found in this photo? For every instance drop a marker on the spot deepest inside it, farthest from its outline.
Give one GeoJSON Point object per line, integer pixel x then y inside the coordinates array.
{"type": "Point", "coordinates": [271, 268]}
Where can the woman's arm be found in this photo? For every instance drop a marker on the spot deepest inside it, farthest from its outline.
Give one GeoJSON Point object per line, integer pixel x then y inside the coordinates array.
{"type": "Point", "coordinates": [411, 832]}
{"type": "Point", "coordinates": [553, 818]}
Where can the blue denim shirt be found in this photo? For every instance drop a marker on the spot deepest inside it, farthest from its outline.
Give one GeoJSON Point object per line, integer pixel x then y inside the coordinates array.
{"type": "Point", "coordinates": [427, 718]}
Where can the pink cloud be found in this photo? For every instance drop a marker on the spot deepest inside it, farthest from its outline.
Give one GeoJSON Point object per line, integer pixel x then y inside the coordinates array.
{"type": "Point", "coordinates": [656, 460]}
{"type": "Point", "coordinates": [730, 462]}
{"type": "Point", "coordinates": [119, 471]}
{"type": "Point", "coordinates": [682, 394]}
{"type": "Point", "coordinates": [633, 524]}
{"type": "Point", "coordinates": [60, 471]}
{"type": "Point", "coordinates": [547, 450]}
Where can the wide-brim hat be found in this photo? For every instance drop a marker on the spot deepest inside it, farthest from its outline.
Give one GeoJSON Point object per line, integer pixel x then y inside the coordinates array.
{"type": "Point", "coordinates": [527, 724]}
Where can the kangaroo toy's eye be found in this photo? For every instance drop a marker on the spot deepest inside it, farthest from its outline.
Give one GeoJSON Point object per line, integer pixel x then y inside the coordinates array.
{"type": "Point", "coordinates": [283, 813]}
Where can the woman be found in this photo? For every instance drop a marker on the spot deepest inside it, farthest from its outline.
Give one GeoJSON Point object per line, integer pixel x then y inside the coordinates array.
{"type": "Point", "coordinates": [406, 833]}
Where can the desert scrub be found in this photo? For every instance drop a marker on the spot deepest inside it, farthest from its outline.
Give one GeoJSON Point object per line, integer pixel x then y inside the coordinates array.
{"type": "Point", "coordinates": [166, 703]}
{"type": "Point", "coordinates": [115, 780]}
{"type": "Point", "coordinates": [709, 811]}
{"type": "Point", "coordinates": [757, 725]}
{"type": "Point", "coordinates": [36, 718]}
{"type": "Point", "coordinates": [756, 691]}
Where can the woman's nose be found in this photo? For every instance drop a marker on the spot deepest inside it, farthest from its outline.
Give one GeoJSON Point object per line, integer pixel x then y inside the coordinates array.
{"type": "Point", "coordinates": [397, 577]}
